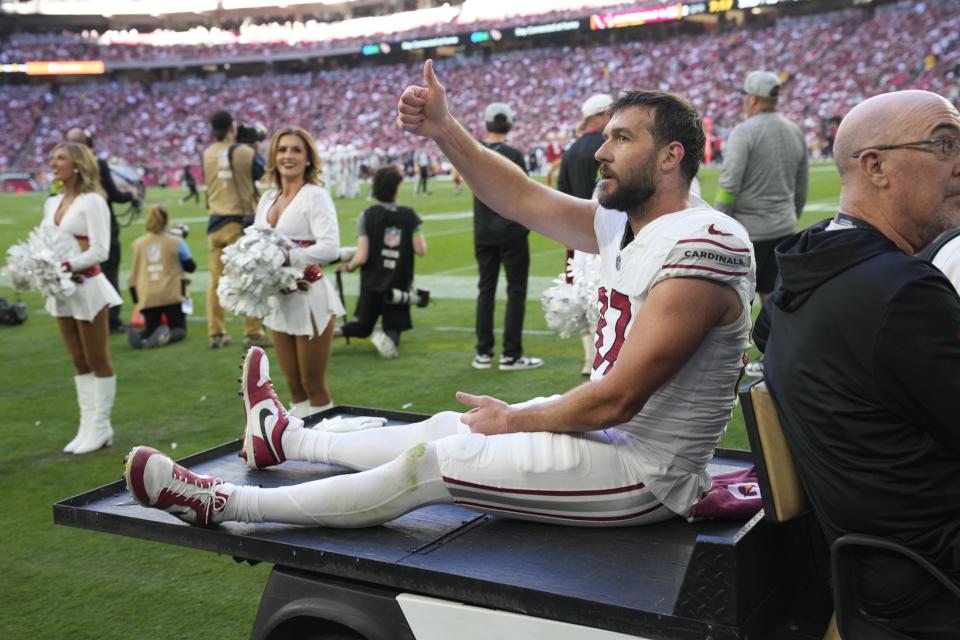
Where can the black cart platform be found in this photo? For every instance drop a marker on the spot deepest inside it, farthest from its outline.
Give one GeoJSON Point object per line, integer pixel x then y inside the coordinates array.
{"type": "Point", "coordinates": [672, 580]}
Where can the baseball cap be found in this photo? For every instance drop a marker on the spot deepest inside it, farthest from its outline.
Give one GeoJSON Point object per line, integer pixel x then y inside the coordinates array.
{"type": "Point", "coordinates": [762, 84]}
{"type": "Point", "coordinates": [498, 109]}
{"type": "Point", "coordinates": [595, 104]}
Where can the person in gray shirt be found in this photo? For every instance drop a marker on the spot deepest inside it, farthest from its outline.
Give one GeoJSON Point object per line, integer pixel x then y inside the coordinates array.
{"type": "Point", "coordinates": [763, 182]}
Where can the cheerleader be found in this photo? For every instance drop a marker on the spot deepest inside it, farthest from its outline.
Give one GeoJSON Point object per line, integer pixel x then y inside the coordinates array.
{"type": "Point", "coordinates": [81, 210]}
{"type": "Point", "coordinates": [299, 208]}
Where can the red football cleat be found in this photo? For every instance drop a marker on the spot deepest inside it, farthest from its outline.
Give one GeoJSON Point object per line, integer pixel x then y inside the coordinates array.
{"type": "Point", "coordinates": [154, 480]}
{"type": "Point", "coordinates": [265, 418]}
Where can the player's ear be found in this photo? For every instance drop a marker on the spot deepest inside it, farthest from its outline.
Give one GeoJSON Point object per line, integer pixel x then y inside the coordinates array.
{"type": "Point", "coordinates": [671, 156]}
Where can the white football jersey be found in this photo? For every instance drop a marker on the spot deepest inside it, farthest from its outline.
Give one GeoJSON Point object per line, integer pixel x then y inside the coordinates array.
{"type": "Point", "coordinates": [682, 422]}
{"type": "Point", "coordinates": [948, 261]}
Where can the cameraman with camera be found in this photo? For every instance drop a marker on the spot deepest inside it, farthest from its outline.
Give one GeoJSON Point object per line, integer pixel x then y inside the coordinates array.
{"type": "Point", "coordinates": [387, 237]}
{"type": "Point", "coordinates": [231, 167]}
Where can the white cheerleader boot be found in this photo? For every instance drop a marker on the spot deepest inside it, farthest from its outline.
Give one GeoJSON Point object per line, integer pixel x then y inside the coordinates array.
{"type": "Point", "coordinates": [299, 409]}
{"type": "Point", "coordinates": [87, 403]}
{"type": "Point", "coordinates": [101, 433]}
{"type": "Point", "coordinates": [312, 409]}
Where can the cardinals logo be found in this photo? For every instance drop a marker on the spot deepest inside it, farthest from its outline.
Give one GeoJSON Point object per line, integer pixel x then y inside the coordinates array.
{"type": "Point", "coordinates": [744, 490]}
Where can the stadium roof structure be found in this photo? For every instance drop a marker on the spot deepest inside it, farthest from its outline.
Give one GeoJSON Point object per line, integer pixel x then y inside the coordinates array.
{"type": "Point", "coordinates": [470, 9]}
{"type": "Point", "coordinates": [20, 15]}
{"type": "Point", "coordinates": [146, 7]}
{"type": "Point", "coordinates": [226, 22]}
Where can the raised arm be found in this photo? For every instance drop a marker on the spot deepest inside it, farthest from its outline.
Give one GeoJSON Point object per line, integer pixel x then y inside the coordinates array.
{"type": "Point", "coordinates": [498, 182]}
{"type": "Point", "coordinates": [106, 179]}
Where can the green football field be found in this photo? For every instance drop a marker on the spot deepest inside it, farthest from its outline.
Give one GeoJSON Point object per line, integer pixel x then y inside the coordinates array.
{"type": "Point", "coordinates": [60, 582]}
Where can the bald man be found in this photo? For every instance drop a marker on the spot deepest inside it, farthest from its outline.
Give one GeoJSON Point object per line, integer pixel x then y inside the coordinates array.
{"type": "Point", "coordinates": [862, 344]}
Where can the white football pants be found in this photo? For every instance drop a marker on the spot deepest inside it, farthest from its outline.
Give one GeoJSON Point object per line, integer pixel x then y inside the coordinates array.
{"type": "Point", "coordinates": [583, 479]}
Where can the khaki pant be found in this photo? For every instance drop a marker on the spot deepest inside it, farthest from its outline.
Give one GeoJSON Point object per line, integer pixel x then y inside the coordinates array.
{"type": "Point", "coordinates": [216, 242]}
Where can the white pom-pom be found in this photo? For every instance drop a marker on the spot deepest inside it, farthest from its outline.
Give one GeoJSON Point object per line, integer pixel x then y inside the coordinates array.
{"type": "Point", "coordinates": [36, 265]}
{"type": "Point", "coordinates": [253, 273]}
{"type": "Point", "coordinates": [562, 312]}
{"type": "Point", "coordinates": [19, 267]}
{"type": "Point", "coordinates": [571, 309]}
{"type": "Point", "coordinates": [587, 273]}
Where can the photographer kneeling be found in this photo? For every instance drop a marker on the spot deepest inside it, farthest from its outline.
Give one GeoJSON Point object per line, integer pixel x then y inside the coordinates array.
{"type": "Point", "coordinates": [160, 258]}
{"type": "Point", "coordinates": [387, 237]}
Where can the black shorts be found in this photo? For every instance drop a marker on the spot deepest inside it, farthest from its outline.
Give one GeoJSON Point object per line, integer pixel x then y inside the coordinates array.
{"type": "Point", "coordinates": [767, 269]}
{"type": "Point", "coordinates": [371, 305]}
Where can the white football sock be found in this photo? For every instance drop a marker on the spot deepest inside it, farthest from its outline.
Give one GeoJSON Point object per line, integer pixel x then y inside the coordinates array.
{"type": "Point", "coordinates": [361, 450]}
{"type": "Point", "coordinates": [362, 499]}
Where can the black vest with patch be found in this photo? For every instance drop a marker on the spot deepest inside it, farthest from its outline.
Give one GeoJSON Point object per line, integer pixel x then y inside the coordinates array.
{"type": "Point", "coordinates": [389, 265]}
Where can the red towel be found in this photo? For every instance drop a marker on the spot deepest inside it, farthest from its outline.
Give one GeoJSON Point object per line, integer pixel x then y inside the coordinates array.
{"type": "Point", "coordinates": [734, 496]}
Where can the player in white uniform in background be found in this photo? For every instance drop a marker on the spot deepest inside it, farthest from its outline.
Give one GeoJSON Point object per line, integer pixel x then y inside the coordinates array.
{"type": "Point", "coordinates": [628, 447]}
{"type": "Point", "coordinates": [346, 174]}
{"type": "Point", "coordinates": [353, 172]}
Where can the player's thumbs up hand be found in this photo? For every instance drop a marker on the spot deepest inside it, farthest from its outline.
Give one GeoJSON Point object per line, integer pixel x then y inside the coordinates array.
{"type": "Point", "coordinates": [429, 76]}
{"type": "Point", "coordinates": [423, 110]}
{"type": "Point", "coordinates": [488, 415]}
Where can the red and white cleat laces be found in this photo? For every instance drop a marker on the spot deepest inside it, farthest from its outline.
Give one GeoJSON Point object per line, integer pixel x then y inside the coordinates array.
{"type": "Point", "coordinates": [154, 480]}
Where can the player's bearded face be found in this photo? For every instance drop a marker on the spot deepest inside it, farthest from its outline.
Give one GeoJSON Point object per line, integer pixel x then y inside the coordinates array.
{"type": "Point", "coordinates": [630, 188]}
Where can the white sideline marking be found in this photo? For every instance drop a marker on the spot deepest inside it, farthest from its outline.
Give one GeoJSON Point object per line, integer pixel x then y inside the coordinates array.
{"type": "Point", "coordinates": [823, 206]}
{"type": "Point", "coordinates": [441, 286]}
{"type": "Point", "coordinates": [454, 215]}
{"type": "Point", "coordinates": [823, 168]}
{"type": "Point", "coordinates": [470, 330]}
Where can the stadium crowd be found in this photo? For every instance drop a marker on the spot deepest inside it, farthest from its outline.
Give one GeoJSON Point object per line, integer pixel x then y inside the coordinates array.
{"type": "Point", "coordinates": [290, 36]}
{"type": "Point", "coordinates": [829, 62]}
{"type": "Point", "coordinates": [24, 106]}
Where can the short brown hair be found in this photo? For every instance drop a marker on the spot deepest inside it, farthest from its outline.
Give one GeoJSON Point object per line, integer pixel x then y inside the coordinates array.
{"type": "Point", "coordinates": [674, 119]}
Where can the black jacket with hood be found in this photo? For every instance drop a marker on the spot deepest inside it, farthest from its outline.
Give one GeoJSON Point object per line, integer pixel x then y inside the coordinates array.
{"type": "Point", "coordinates": [862, 358]}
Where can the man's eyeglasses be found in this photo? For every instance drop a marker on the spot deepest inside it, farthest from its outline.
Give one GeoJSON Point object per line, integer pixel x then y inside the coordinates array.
{"type": "Point", "coordinates": [949, 147]}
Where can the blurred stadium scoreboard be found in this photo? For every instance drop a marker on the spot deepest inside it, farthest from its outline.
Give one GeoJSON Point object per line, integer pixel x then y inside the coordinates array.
{"type": "Point", "coordinates": [57, 68]}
